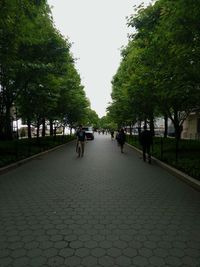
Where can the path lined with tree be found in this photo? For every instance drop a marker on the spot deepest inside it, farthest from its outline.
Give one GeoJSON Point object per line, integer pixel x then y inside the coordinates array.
{"type": "Point", "coordinates": [38, 78]}
{"type": "Point", "coordinates": [105, 209]}
{"type": "Point", "coordinates": [159, 71]}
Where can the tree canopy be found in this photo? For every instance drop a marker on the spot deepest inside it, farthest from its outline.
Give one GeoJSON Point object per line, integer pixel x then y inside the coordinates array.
{"type": "Point", "coordinates": [38, 78]}
{"type": "Point", "coordinates": [158, 73]}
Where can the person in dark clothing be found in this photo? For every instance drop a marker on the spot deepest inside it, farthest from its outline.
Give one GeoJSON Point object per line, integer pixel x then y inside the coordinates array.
{"type": "Point", "coordinates": [112, 134]}
{"type": "Point", "coordinates": [80, 138]}
{"type": "Point", "coordinates": [121, 139]}
{"type": "Point", "coordinates": [146, 141]}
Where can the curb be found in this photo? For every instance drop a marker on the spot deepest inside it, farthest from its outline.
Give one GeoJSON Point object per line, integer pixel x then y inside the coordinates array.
{"type": "Point", "coordinates": [23, 161]}
{"type": "Point", "coordinates": [179, 174]}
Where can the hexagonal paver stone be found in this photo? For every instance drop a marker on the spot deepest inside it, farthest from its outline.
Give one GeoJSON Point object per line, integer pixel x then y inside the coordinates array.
{"type": "Point", "coordinates": [98, 238]}
{"type": "Point", "coordinates": [55, 261]}
{"type": "Point", "coordinates": [120, 244]}
{"type": "Point", "coordinates": [174, 261]}
{"type": "Point", "coordinates": [193, 244]}
{"type": "Point", "coordinates": [125, 237]}
{"type": "Point", "coordinates": [31, 245]}
{"type": "Point", "coordinates": [18, 253]}
{"type": "Point", "coordinates": [135, 244]}
{"type": "Point", "coordinates": [150, 244]}
{"type": "Point", "coordinates": [66, 252]}
{"type": "Point", "coordinates": [190, 262]}
{"type": "Point", "coordinates": [71, 237]}
{"type": "Point", "coordinates": [99, 226]}
{"type": "Point", "coordinates": [89, 261]}
{"type": "Point", "coordinates": [5, 261]}
{"type": "Point", "coordinates": [179, 244]}
{"type": "Point", "coordinates": [107, 261]}
{"type": "Point", "coordinates": [114, 252]}
{"type": "Point", "coordinates": [35, 252]}
{"type": "Point", "coordinates": [123, 261]}
{"type": "Point", "coordinates": [46, 244]}
{"type": "Point", "coordinates": [4, 253]}
{"type": "Point", "coordinates": [73, 261]}
{"type": "Point", "coordinates": [112, 237]}
{"type": "Point", "coordinates": [76, 244]}
{"type": "Point", "coordinates": [160, 252]}
{"type": "Point", "coordinates": [140, 261]}
{"type": "Point", "coordinates": [14, 238]}
{"type": "Point", "coordinates": [98, 252]}
{"type": "Point", "coordinates": [156, 261]}
{"type": "Point", "coordinates": [38, 261]}
{"type": "Point", "coordinates": [192, 252]}
{"type": "Point", "coordinates": [15, 245]}
{"type": "Point", "coordinates": [19, 262]}
{"type": "Point", "coordinates": [84, 238]}
{"type": "Point", "coordinates": [61, 244]}
{"type": "Point", "coordinates": [130, 252]}
{"type": "Point", "coordinates": [146, 252]}
{"type": "Point", "coordinates": [56, 238]}
{"type": "Point", "coordinates": [177, 252]}
{"type": "Point", "coordinates": [90, 244]}
{"type": "Point", "coordinates": [50, 252]}
{"type": "Point", "coordinates": [82, 252]}
{"type": "Point", "coordinates": [105, 244]}
{"type": "Point", "coordinates": [164, 244]}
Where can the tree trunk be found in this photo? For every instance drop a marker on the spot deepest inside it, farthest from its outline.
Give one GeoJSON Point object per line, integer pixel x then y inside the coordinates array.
{"type": "Point", "coordinates": [43, 127]}
{"type": "Point", "coordinates": [51, 127]}
{"type": "Point", "coordinates": [38, 129]}
{"type": "Point", "coordinates": [152, 126]}
{"type": "Point", "coordinates": [29, 128]}
{"type": "Point", "coordinates": [178, 127]}
{"type": "Point", "coordinates": [131, 129]}
{"type": "Point", "coordinates": [166, 126]}
{"type": "Point", "coordinates": [8, 124]}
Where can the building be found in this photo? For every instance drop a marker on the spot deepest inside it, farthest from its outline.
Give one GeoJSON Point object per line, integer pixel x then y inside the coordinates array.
{"type": "Point", "coordinates": [191, 126]}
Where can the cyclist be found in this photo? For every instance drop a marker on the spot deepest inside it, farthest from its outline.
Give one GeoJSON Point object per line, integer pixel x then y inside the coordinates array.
{"type": "Point", "coordinates": [80, 138]}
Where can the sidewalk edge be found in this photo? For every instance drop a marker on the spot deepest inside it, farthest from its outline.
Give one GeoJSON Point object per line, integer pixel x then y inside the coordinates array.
{"type": "Point", "coordinates": [179, 174]}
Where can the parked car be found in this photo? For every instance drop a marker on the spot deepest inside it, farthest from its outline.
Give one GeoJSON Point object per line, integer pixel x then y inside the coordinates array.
{"type": "Point", "coordinates": [89, 132]}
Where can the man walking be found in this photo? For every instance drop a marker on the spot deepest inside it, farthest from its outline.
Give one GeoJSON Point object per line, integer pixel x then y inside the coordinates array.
{"type": "Point", "coordinates": [80, 138]}
{"type": "Point", "coordinates": [146, 141]}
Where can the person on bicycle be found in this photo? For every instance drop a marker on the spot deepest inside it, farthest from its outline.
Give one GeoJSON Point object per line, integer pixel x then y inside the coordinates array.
{"type": "Point", "coordinates": [80, 138]}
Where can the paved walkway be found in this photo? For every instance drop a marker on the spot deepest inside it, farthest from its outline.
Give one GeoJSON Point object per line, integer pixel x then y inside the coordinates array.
{"type": "Point", "coordinates": [105, 209]}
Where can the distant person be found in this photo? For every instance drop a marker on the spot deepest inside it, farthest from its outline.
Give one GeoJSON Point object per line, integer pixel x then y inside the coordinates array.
{"type": "Point", "coordinates": [80, 134]}
{"type": "Point", "coordinates": [112, 134]}
{"type": "Point", "coordinates": [121, 139]}
{"type": "Point", "coordinates": [146, 141]}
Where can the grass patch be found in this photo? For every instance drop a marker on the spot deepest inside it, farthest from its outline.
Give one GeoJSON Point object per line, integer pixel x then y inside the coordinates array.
{"type": "Point", "coordinates": [15, 150]}
{"type": "Point", "coordinates": [164, 149]}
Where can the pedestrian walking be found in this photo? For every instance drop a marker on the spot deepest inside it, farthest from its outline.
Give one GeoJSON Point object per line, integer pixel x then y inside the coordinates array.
{"type": "Point", "coordinates": [121, 138]}
{"type": "Point", "coordinates": [112, 134]}
{"type": "Point", "coordinates": [146, 141]}
{"type": "Point", "coordinates": [80, 134]}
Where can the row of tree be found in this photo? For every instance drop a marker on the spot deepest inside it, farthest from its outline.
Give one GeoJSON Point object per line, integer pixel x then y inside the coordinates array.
{"type": "Point", "coordinates": [159, 71]}
{"type": "Point", "coordinates": [38, 79]}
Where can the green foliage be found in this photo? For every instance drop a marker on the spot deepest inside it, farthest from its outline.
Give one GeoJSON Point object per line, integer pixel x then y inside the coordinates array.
{"type": "Point", "coordinates": [164, 149]}
{"type": "Point", "coordinates": [158, 73]}
{"type": "Point", "coordinates": [38, 74]}
{"type": "Point", "coordinates": [106, 122]}
{"type": "Point", "coordinates": [12, 151]}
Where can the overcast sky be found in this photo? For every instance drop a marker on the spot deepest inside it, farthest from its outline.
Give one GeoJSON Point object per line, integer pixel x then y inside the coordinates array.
{"type": "Point", "coordinates": [98, 30]}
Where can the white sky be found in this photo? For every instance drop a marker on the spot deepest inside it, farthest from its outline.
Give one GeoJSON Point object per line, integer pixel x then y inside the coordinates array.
{"type": "Point", "coordinates": [98, 30]}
